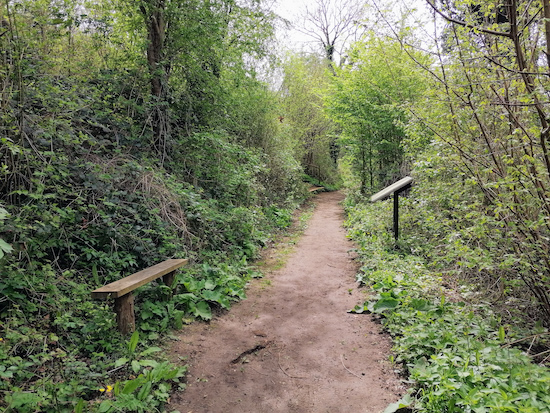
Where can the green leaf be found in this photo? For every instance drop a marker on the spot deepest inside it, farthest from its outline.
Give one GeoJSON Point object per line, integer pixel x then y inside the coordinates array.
{"type": "Point", "coordinates": [132, 344]}
{"type": "Point", "coordinates": [136, 367]}
{"type": "Point", "coordinates": [202, 310]}
{"type": "Point", "coordinates": [212, 295]}
{"type": "Point", "coordinates": [23, 399]}
{"type": "Point", "coordinates": [4, 247]}
{"type": "Point", "coordinates": [148, 363]}
{"type": "Point", "coordinates": [209, 285]}
{"type": "Point", "coordinates": [105, 406]}
{"type": "Point", "coordinates": [385, 304]}
{"type": "Point", "coordinates": [404, 402]}
{"type": "Point", "coordinates": [501, 333]}
{"type": "Point", "coordinates": [79, 408]}
{"type": "Point", "coordinates": [150, 350]}
{"type": "Point", "coordinates": [3, 214]}
{"type": "Point", "coordinates": [132, 385]}
{"type": "Point", "coordinates": [358, 309]}
{"type": "Point", "coordinates": [119, 362]}
{"type": "Point", "coordinates": [178, 319]}
{"type": "Point", "coordinates": [145, 390]}
{"type": "Point", "coordinates": [421, 304]}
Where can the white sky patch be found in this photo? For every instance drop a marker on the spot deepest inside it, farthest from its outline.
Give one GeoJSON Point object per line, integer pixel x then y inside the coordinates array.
{"type": "Point", "coordinates": [291, 10]}
{"type": "Point", "coordinates": [291, 38]}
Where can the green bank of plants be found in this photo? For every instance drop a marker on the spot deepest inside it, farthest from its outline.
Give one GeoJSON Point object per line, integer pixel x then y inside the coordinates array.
{"type": "Point", "coordinates": [81, 223]}
{"type": "Point", "coordinates": [457, 354]}
{"type": "Point", "coordinates": [58, 348]}
{"type": "Point", "coordinates": [116, 155]}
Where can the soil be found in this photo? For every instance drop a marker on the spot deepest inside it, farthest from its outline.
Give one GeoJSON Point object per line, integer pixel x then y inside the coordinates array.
{"type": "Point", "coordinates": [291, 346]}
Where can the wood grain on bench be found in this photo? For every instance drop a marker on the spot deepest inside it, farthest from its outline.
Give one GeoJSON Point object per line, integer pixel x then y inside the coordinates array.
{"type": "Point", "coordinates": [125, 285]}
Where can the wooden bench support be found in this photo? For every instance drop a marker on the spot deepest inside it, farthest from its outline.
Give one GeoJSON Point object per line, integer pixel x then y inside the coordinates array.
{"type": "Point", "coordinates": [169, 278]}
{"type": "Point", "coordinates": [125, 316]}
{"type": "Point", "coordinates": [121, 290]}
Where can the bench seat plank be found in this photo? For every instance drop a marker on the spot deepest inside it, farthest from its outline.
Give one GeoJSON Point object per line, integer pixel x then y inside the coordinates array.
{"type": "Point", "coordinates": [125, 285]}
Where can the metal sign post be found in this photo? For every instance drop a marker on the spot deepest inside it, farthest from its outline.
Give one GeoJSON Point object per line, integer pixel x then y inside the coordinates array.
{"type": "Point", "coordinates": [394, 189]}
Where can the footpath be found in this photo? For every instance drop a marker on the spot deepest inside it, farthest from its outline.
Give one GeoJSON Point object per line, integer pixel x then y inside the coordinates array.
{"type": "Point", "coordinates": [291, 346]}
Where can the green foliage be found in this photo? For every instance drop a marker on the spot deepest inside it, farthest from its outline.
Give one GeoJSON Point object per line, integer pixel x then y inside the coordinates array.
{"type": "Point", "coordinates": [5, 248]}
{"type": "Point", "coordinates": [100, 178]}
{"type": "Point", "coordinates": [302, 118]}
{"type": "Point", "coordinates": [317, 182]}
{"type": "Point", "coordinates": [226, 171]}
{"type": "Point", "coordinates": [282, 218]}
{"type": "Point", "coordinates": [151, 386]}
{"type": "Point", "coordinates": [481, 160]}
{"type": "Point", "coordinates": [367, 99]}
{"type": "Point", "coordinates": [458, 356]}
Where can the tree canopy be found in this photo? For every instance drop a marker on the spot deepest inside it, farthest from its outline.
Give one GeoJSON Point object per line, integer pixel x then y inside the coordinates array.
{"type": "Point", "coordinates": [132, 131]}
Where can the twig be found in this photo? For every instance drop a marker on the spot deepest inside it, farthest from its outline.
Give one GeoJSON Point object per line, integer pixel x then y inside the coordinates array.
{"type": "Point", "coordinates": [540, 354]}
{"type": "Point", "coordinates": [531, 345]}
{"type": "Point", "coordinates": [283, 370]}
{"type": "Point", "coordinates": [249, 351]}
{"type": "Point", "coordinates": [348, 370]}
{"type": "Point", "coordinates": [524, 338]}
{"type": "Point", "coordinates": [116, 368]}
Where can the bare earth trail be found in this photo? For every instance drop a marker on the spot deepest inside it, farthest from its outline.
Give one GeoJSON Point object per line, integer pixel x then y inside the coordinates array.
{"type": "Point", "coordinates": [291, 346]}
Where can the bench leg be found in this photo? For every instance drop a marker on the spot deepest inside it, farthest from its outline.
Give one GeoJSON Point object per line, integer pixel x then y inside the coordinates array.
{"type": "Point", "coordinates": [124, 308]}
{"type": "Point", "coordinates": [169, 278]}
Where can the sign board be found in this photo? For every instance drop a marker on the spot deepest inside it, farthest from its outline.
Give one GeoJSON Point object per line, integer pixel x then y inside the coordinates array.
{"type": "Point", "coordinates": [398, 186]}
{"type": "Point", "coordinates": [394, 189]}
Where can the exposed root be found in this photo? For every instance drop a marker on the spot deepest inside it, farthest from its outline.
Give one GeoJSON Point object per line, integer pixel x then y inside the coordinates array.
{"type": "Point", "coordinates": [254, 349]}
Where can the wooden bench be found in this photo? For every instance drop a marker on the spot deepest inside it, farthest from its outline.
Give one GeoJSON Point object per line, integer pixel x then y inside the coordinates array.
{"type": "Point", "coordinates": [121, 290]}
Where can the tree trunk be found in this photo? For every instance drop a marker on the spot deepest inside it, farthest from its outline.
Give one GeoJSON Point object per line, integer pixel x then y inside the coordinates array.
{"type": "Point", "coordinates": [156, 31]}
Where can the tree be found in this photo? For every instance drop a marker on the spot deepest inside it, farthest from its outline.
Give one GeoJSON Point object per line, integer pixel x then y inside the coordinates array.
{"type": "Point", "coordinates": [333, 24]}
{"type": "Point", "coordinates": [313, 133]}
{"type": "Point", "coordinates": [489, 110]}
{"type": "Point", "coordinates": [367, 100]}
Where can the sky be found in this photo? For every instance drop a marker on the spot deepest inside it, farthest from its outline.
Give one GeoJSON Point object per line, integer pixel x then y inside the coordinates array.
{"type": "Point", "coordinates": [295, 40]}
{"type": "Point", "coordinates": [291, 10]}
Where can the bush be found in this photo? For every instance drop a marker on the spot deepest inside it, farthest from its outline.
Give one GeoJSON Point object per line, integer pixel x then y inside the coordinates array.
{"type": "Point", "coordinates": [458, 354]}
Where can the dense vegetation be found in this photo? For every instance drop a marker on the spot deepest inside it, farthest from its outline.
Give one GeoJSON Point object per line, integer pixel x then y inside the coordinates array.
{"type": "Point", "coordinates": [131, 132]}
{"type": "Point", "coordinates": [138, 130]}
{"type": "Point", "coordinates": [481, 153]}
{"type": "Point", "coordinates": [458, 354]}
{"type": "Point", "coordinates": [465, 291]}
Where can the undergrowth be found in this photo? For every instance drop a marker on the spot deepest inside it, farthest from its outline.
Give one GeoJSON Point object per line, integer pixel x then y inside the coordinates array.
{"type": "Point", "coordinates": [101, 177]}
{"type": "Point", "coordinates": [318, 182]}
{"type": "Point", "coordinates": [79, 224]}
{"type": "Point", "coordinates": [458, 356]}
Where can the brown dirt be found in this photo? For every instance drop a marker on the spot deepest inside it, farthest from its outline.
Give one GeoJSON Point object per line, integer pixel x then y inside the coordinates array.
{"type": "Point", "coordinates": [291, 346]}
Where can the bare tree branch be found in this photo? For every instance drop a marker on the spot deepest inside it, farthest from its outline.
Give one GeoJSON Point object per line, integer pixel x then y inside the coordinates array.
{"type": "Point", "coordinates": [332, 23]}
{"type": "Point", "coordinates": [464, 24]}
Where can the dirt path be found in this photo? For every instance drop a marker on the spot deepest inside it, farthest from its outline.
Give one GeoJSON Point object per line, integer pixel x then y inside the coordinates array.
{"type": "Point", "coordinates": [291, 346]}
